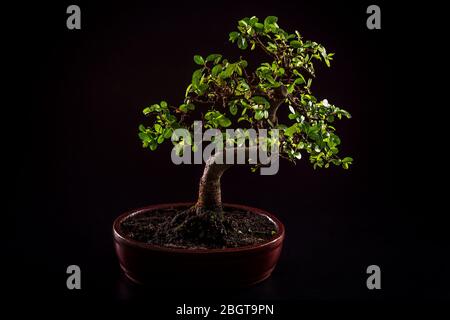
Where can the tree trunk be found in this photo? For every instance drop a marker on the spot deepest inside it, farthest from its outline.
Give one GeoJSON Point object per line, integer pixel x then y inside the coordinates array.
{"type": "Point", "coordinates": [209, 193]}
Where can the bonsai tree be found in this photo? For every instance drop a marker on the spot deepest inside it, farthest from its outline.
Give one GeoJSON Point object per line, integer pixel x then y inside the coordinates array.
{"type": "Point", "coordinates": [226, 93]}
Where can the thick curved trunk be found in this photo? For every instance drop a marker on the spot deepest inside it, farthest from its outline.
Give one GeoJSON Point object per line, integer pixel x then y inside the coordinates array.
{"type": "Point", "coordinates": [209, 193]}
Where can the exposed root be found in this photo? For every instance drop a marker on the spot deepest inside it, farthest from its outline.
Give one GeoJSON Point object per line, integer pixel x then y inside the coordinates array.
{"type": "Point", "coordinates": [199, 225]}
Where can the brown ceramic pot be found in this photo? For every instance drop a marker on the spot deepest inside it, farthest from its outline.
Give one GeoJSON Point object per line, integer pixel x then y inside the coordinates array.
{"type": "Point", "coordinates": [231, 267]}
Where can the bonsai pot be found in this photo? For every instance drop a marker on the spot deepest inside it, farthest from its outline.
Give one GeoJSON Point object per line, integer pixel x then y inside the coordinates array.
{"type": "Point", "coordinates": [150, 264]}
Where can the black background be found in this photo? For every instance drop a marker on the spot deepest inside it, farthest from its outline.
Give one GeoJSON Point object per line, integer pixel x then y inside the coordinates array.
{"type": "Point", "coordinates": [77, 162]}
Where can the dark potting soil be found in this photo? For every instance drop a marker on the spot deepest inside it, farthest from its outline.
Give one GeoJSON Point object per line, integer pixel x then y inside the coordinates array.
{"type": "Point", "coordinates": [183, 229]}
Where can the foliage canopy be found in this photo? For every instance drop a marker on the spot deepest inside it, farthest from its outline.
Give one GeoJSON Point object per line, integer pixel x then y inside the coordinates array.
{"type": "Point", "coordinates": [226, 93]}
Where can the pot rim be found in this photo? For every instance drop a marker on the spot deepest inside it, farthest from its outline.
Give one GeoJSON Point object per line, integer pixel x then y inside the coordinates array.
{"type": "Point", "coordinates": [120, 237]}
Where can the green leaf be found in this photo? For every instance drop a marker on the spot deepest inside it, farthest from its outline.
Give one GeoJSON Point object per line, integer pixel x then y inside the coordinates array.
{"type": "Point", "coordinates": [214, 57]}
{"type": "Point", "coordinates": [144, 137]}
{"type": "Point", "coordinates": [291, 130]}
{"type": "Point", "coordinates": [242, 43]}
{"type": "Point", "coordinates": [196, 76]}
{"type": "Point", "coordinates": [243, 86]}
{"type": "Point", "coordinates": [270, 20]}
{"type": "Point", "coordinates": [243, 63]}
{"type": "Point", "coordinates": [291, 88]}
{"type": "Point", "coordinates": [347, 160]}
{"type": "Point", "coordinates": [238, 69]}
{"type": "Point", "coordinates": [334, 140]}
{"type": "Point", "coordinates": [183, 108]}
{"type": "Point", "coordinates": [188, 89]}
{"type": "Point", "coordinates": [253, 20]}
{"type": "Point", "coordinates": [336, 162]}
{"type": "Point", "coordinates": [146, 111]}
{"type": "Point", "coordinates": [233, 109]}
{"type": "Point", "coordinates": [313, 132]}
{"type": "Point", "coordinates": [299, 80]}
{"type": "Point", "coordinates": [163, 104]}
{"type": "Point", "coordinates": [272, 45]}
{"type": "Point", "coordinates": [244, 119]}
{"type": "Point", "coordinates": [295, 44]}
{"type": "Point", "coordinates": [216, 70]}
{"type": "Point", "coordinates": [272, 81]}
{"type": "Point", "coordinates": [157, 127]}
{"type": "Point", "coordinates": [168, 133]}
{"type": "Point", "coordinates": [261, 101]}
{"type": "Point", "coordinates": [160, 139]}
{"type": "Point", "coordinates": [199, 60]}
{"type": "Point", "coordinates": [224, 122]}
{"type": "Point", "coordinates": [228, 72]}
{"type": "Point", "coordinates": [242, 23]}
{"type": "Point", "coordinates": [259, 115]}
{"type": "Point", "coordinates": [233, 36]}
{"type": "Point", "coordinates": [258, 26]}
{"type": "Point", "coordinates": [202, 87]}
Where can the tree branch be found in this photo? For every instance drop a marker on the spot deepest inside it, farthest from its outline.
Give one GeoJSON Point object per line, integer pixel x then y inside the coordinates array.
{"type": "Point", "coordinates": [263, 47]}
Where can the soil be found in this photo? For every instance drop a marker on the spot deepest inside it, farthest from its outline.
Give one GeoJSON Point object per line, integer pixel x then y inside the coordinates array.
{"type": "Point", "coordinates": [192, 229]}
